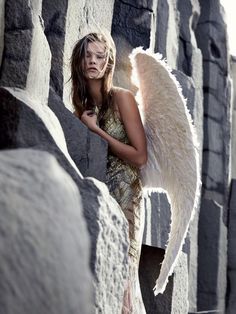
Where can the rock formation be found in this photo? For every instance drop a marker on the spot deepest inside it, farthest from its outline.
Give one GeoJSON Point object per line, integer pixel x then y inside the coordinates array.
{"type": "Point", "coordinates": [64, 239]}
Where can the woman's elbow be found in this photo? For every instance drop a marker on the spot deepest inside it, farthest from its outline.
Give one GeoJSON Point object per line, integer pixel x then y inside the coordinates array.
{"type": "Point", "coordinates": [142, 160]}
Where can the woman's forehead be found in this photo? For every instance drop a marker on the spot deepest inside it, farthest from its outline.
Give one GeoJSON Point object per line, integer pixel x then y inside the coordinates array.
{"type": "Point", "coordinates": [96, 47]}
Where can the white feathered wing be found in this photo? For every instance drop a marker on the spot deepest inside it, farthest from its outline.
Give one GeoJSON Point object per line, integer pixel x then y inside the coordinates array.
{"type": "Point", "coordinates": [173, 159]}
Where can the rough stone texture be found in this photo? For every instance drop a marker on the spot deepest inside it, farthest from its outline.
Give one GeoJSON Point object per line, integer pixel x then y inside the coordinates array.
{"type": "Point", "coordinates": [44, 239]}
{"type": "Point", "coordinates": [174, 298]}
{"type": "Point", "coordinates": [27, 121]}
{"type": "Point", "coordinates": [26, 58]}
{"type": "Point", "coordinates": [81, 143]}
{"type": "Point", "coordinates": [82, 17]}
{"type": "Point", "coordinates": [53, 14]}
{"type": "Point", "coordinates": [17, 43]}
{"type": "Point", "coordinates": [233, 145]}
{"type": "Point", "coordinates": [172, 37]}
{"type": "Point", "coordinates": [161, 27]}
{"type": "Point", "coordinates": [212, 40]}
{"type": "Point", "coordinates": [2, 27]}
{"type": "Point", "coordinates": [190, 63]}
{"type": "Point", "coordinates": [157, 220]}
{"type": "Point", "coordinates": [211, 37]}
{"type": "Point", "coordinates": [231, 291]}
{"type": "Point", "coordinates": [82, 146]}
{"type": "Point", "coordinates": [212, 257]}
{"type": "Point", "coordinates": [21, 127]}
{"type": "Point", "coordinates": [131, 27]}
{"type": "Point", "coordinates": [167, 26]}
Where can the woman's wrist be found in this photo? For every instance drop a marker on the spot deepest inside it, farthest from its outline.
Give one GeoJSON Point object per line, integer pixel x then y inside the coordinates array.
{"type": "Point", "coordinates": [96, 129]}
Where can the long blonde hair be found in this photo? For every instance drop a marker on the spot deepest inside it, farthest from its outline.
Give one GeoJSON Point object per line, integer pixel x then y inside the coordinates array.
{"type": "Point", "coordinates": [81, 98]}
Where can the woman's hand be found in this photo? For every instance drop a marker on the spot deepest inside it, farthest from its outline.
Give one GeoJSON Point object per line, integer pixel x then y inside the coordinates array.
{"type": "Point", "coordinates": [89, 118]}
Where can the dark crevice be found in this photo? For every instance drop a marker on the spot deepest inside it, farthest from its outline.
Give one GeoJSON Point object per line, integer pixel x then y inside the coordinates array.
{"type": "Point", "coordinates": [216, 24]}
{"type": "Point", "coordinates": [218, 121]}
{"type": "Point", "coordinates": [52, 27]}
{"type": "Point", "coordinates": [223, 71]}
{"type": "Point", "coordinates": [136, 7]}
{"type": "Point", "coordinates": [207, 150]}
{"type": "Point", "coordinates": [213, 181]}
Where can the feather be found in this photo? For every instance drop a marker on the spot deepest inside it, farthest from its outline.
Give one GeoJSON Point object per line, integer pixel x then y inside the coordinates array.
{"type": "Point", "coordinates": [173, 155]}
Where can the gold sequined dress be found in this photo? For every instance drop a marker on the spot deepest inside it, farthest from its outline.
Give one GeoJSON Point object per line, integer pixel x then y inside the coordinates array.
{"type": "Point", "coordinates": [123, 181]}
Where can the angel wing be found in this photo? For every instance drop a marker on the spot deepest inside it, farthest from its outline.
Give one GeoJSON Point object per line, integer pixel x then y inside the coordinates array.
{"type": "Point", "coordinates": [173, 158]}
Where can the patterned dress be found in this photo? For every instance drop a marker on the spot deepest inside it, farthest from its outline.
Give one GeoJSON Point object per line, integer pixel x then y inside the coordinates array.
{"type": "Point", "coordinates": [124, 184]}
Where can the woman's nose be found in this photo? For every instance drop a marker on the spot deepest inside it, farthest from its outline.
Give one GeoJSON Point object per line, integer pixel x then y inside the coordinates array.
{"type": "Point", "coordinates": [92, 59]}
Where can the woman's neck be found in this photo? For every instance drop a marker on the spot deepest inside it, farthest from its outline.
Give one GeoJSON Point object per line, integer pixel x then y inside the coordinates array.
{"type": "Point", "coordinates": [95, 91]}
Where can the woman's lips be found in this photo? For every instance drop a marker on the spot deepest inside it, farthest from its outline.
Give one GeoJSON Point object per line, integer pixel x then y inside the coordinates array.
{"type": "Point", "coordinates": [92, 69]}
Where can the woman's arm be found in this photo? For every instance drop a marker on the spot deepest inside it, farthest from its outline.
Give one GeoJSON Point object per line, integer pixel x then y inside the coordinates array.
{"type": "Point", "coordinates": [135, 153]}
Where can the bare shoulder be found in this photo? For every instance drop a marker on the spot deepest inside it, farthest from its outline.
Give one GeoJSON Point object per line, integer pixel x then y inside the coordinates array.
{"type": "Point", "coordinates": [125, 103]}
{"type": "Point", "coordinates": [124, 100]}
{"type": "Point", "coordinates": [121, 94]}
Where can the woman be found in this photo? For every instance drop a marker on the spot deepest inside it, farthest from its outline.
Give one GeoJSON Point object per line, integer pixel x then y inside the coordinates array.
{"type": "Point", "coordinates": [112, 113]}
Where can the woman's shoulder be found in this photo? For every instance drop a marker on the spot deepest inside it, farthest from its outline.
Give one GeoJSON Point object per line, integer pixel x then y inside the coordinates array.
{"type": "Point", "coordinates": [121, 94]}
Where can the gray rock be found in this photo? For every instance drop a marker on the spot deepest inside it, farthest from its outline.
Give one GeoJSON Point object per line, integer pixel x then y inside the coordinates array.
{"type": "Point", "coordinates": [17, 43]}
{"type": "Point", "coordinates": [44, 240]}
{"type": "Point", "coordinates": [212, 241]}
{"type": "Point", "coordinates": [212, 40]}
{"type": "Point", "coordinates": [157, 220]}
{"type": "Point", "coordinates": [188, 89]}
{"type": "Point", "coordinates": [174, 298]}
{"type": "Point", "coordinates": [190, 62]}
{"type": "Point", "coordinates": [2, 27]}
{"type": "Point", "coordinates": [88, 150]}
{"type": "Point", "coordinates": [231, 293]}
{"type": "Point", "coordinates": [131, 27]}
{"type": "Point", "coordinates": [233, 148]}
{"type": "Point", "coordinates": [212, 25]}
{"type": "Point", "coordinates": [172, 36]}
{"type": "Point", "coordinates": [185, 45]}
{"type": "Point", "coordinates": [21, 127]}
{"type": "Point", "coordinates": [162, 21]}
{"type": "Point", "coordinates": [54, 16]}
{"type": "Point", "coordinates": [27, 58]}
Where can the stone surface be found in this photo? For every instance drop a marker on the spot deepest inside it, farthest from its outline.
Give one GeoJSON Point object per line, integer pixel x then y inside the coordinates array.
{"type": "Point", "coordinates": [44, 239]}
{"type": "Point", "coordinates": [212, 258]}
{"type": "Point", "coordinates": [88, 150]}
{"type": "Point", "coordinates": [167, 26]}
{"type": "Point", "coordinates": [188, 89]}
{"type": "Point", "coordinates": [211, 38]}
{"type": "Point", "coordinates": [82, 17]}
{"type": "Point", "coordinates": [17, 43]}
{"type": "Point", "coordinates": [231, 291]}
{"type": "Point", "coordinates": [2, 27]}
{"type": "Point", "coordinates": [21, 127]}
{"type": "Point", "coordinates": [131, 27]}
{"type": "Point", "coordinates": [157, 220]}
{"type": "Point", "coordinates": [172, 37]}
{"type": "Point", "coordinates": [54, 16]}
{"type": "Point", "coordinates": [233, 147]}
{"type": "Point", "coordinates": [174, 298]}
{"type": "Point", "coordinates": [190, 63]}
{"type": "Point", "coordinates": [162, 21]}
{"type": "Point", "coordinates": [185, 45]}
{"type": "Point", "coordinates": [27, 58]}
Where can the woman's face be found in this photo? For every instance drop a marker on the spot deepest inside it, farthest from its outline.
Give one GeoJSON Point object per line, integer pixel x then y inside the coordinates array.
{"type": "Point", "coordinates": [95, 60]}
